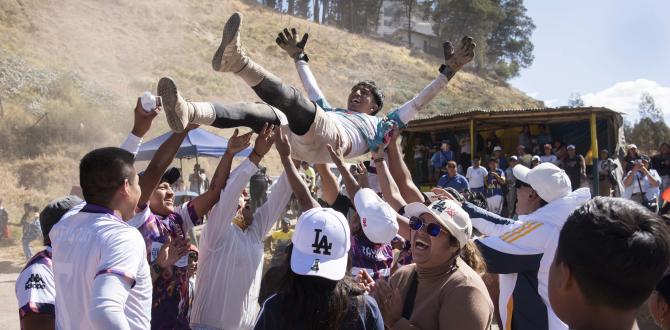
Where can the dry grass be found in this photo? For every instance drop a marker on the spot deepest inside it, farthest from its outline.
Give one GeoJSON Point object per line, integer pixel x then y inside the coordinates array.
{"type": "Point", "coordinates": [114, 50]}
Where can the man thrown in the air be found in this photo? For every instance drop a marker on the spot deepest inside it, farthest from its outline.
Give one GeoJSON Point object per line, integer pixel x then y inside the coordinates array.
{"type": "Point", "coordinates": [309, 123]}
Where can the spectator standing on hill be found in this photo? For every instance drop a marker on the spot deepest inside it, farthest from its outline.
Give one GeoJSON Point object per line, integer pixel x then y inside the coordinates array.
{"type": "Point", "coordinates": [575, 166]}
{"type": "Point", "coordinates": [476, 175]}
{"type": "Point", "coordinates": [661, 163]}
{"type": "Point", "coordinates": [4, 222]}
{"type": "Point", "coordinates": [31, 229]}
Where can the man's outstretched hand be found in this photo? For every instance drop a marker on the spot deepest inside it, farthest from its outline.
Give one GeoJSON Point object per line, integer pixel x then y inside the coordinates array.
{"type": "Point", "coordinates": [237, 142]}
{"type": "Point", "coordinates": [455, 60]}
{"type": "Point", "coordinates": [288, 41]}
{"type": "Point", "coordinates": [281, 143]}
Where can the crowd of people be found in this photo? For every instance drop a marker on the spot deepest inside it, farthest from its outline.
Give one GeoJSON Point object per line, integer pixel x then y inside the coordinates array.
{"type": "Point", "coordinates": [363, 255]}
{"type": "Point", "coordinates": [635, 176]}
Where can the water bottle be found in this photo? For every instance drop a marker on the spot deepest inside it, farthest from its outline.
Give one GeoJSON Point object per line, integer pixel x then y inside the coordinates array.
{"type": "Point", "coordinates": [148, 101]}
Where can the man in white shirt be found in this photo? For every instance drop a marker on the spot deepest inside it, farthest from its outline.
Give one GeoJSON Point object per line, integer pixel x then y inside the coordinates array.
{"type": "Point", "coordinates": [99, 260]}
{"type": "Point", "coordinates": [476, 175]}
{"type": "Point", "coordinates": [310, 122]}
{"type": "Point", "coordinates": [231, 248]}
{"type": "Point", "coordinates": [641, 184]}
{"type": "Point", "coordinates": [35, 288]}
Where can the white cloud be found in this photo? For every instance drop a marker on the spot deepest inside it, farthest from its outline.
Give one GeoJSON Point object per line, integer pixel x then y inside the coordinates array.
{"type": "Point", "coordinates": [552, 103]}
{"type": "Point", "coordinates": [625, 96]}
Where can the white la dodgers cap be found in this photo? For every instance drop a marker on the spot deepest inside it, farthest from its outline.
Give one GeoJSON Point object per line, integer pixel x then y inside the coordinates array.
{"type": "Point", "coordinates": [549, 181]}
{"type": "Point", "coordinates": [321, 244]}
{"type": "Point", "coordinates": [378, 219]}
{"type": "Point", "coordinates": [450, 215]}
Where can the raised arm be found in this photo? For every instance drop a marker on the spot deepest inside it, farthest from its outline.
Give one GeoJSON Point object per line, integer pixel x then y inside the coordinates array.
{"type": "Point", "coordinates": [387, 183]}
{"type": "Point", "coordinates": [300, 190]}
{"type": "Point", "coordinates": [295, 48]}
{"type": "Point", "coordinates": [225, 209]}
{"type": "Point", "coordinates": [141, 125]}
{"type": "Point", "coordinates": [203, 203]}
{"type": "Point", "coordinates": [453, 61]}
{"type": "Point", "coordinates": [159, 163]}
{"type": "Point", "coordinates": [329, 184]}
{"type": "Point", "coordinates": [409, 191]}
{"type": "Point", "coordinates": [349, 182]}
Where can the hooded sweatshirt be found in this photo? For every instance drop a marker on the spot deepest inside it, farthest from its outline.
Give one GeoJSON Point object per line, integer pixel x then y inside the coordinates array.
{"type": "Point", "coordinates": [522, 252]}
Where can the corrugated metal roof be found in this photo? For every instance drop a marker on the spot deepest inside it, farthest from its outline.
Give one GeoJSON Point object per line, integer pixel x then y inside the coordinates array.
{"type": "Point", "coordinates": [481, 111]}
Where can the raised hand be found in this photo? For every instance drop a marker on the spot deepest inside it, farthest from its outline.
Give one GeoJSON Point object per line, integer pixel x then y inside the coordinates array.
{"type": "Point", "coordinates": [171, 251]}
{"type": "Point", "coordinates": [455, 60]}
{"type": "Point", "coordinates": [143, 119]}
{"type": "Point", "coordinates": [336, 154]}
{"type": "Point", "coordinates": [361, 175]}
{"type": "Point", "coordinates": [281, 143]}
{"type": "Point", "coordinates": [290, 44]}
{"type": "Point", "coordinates": [264, 140]}
{"type": "Point", "coordinates": [237, 143]}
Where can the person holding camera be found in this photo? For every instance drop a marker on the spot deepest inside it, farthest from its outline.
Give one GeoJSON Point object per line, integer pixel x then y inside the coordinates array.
{"type": "Point", "coordinates": [641, 184]}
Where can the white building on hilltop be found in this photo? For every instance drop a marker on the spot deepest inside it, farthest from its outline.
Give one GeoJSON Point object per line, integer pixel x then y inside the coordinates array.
{"type": "Point", "coordinates": [393, 26]}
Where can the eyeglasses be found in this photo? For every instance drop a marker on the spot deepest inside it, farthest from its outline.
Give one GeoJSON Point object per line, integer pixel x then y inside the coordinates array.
{"type": "Point", "coordinates": [433, 229]}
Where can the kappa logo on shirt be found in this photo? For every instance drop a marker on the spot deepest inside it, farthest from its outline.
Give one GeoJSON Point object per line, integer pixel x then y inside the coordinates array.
{"type": "Point", "coordinates": [35, 281]}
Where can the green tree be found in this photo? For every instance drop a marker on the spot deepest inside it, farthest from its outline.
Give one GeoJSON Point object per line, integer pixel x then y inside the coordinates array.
{"type": "Point", "coordinates": [508, 45]}
{"type": "Point", "coordinates": [651, 130]}
{"type": "Point", "coordinates": [649, 109]}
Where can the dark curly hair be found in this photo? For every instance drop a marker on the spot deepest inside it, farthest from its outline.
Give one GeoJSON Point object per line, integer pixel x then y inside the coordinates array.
{"type": "Point", "coordinates": [377, 92]}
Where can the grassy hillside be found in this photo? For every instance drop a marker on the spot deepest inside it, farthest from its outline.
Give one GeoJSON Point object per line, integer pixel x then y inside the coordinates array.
{"type": "Point", "coordinates": [84, 63]}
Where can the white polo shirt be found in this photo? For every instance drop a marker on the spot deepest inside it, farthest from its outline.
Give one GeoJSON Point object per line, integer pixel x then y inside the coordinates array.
{"type": "Point", "coordinates": [94, 242]}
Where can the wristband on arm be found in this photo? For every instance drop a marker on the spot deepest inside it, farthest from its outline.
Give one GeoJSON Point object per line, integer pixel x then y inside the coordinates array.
{"type": "Point", "coordinates": [447, 71]}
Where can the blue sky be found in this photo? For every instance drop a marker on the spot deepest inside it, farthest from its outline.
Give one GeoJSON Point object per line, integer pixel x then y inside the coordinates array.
{"type": "Point", "coordinates": [609, 51]}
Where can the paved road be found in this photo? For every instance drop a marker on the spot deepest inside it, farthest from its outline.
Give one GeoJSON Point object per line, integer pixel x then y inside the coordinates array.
{"type": "Point", "coordinates": [9, 315]}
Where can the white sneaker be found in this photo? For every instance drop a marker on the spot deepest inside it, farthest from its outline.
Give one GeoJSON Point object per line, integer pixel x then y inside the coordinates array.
{"type": "Point", "coordinates": [230, 56]}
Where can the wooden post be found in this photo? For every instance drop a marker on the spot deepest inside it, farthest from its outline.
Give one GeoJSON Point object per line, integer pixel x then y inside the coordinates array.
{"type": "Point", "coordinates": [473, 140]}
{"type": "Point", "coordinates": [596, 155]}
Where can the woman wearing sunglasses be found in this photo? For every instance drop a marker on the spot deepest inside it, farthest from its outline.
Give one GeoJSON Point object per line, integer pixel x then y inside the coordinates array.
{"type": "Point", "coordinates": [439, 291]}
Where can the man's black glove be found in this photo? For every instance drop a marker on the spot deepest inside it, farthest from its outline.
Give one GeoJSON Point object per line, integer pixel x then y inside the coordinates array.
{"type": "Point", "coordinates": [288, 41]}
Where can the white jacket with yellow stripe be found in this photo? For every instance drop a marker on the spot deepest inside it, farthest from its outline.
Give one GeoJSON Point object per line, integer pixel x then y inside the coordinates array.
{"type": "Point", "coordinates": [522, 251]}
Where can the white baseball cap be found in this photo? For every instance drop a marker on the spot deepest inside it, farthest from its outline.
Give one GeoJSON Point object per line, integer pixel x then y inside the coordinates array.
{"type": "Point", "coordinates": [378, 219]}
{"type": "Point", "coordinates": [497, 148]}
{"type": "Point", "coordinates": [632, 146]}
{"type": "Point", "coordinates": [450, 215]}
{"type": "Point", "coordinates": [549, 181]}
{"type": "Point", "coordinates": [536, 157]}
{"type": "Point", "coordinates": [571, 146]}
{"type": "Point", "coordinates": [321, 244]}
